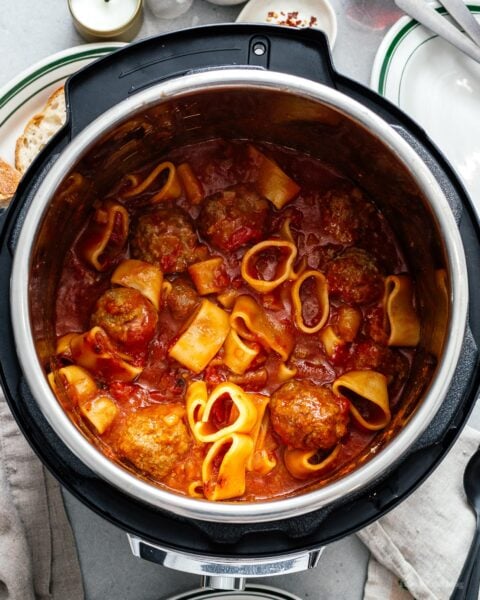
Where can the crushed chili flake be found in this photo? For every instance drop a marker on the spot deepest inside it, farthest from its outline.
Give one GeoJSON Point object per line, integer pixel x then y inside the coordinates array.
{"type": "Point", "coordinates": [290, 19]}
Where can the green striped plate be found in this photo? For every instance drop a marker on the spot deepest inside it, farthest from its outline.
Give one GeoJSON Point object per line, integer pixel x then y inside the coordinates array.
{"type": "Point", "coordinates": [439, 87]}
{"type": "Point", "coordinates": [24, 96]}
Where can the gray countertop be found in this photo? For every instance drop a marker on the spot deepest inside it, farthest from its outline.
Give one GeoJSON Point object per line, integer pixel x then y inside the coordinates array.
{"type": "Point", "coordinates": [31, 30]}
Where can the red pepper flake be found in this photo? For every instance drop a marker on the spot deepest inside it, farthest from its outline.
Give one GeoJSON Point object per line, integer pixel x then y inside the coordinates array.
{"type": "Point", "coordinates": [291, 19]}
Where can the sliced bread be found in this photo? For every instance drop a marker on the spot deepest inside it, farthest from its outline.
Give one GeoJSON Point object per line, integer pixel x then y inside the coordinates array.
{"type": "Point", "coordinates": [9, 178]}
{"type": "Point", "coordinates": [39, 130]}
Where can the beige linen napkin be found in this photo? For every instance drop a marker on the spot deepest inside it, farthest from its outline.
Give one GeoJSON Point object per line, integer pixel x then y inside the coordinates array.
{"type": "Point", "coordinates": [38, 559]}
{"type": "Point", "coordinates": [418, 549]}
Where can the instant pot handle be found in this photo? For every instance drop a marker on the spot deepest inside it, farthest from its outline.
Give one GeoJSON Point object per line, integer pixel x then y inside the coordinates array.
{"type": "Point", "coordinates": [103, 84]}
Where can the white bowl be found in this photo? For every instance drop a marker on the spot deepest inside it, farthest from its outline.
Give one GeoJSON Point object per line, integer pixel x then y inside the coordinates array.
{"type": "Point", "coordinates": [299, 13]}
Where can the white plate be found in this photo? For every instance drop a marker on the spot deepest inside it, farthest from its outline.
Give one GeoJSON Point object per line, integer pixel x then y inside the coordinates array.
{"type": "Point", "coordinates": [27, 94]}
{"type": "Point", "coordinates": [439, 87]}
{"type": "Point", "coordinates": [276, 11]}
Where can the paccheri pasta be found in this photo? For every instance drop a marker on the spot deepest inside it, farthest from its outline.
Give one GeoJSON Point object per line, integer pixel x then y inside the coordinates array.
{"type": "Point", "coordinates": [234, 322]}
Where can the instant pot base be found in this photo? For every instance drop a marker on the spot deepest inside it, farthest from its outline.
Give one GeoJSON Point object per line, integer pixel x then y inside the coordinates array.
{"type": "Point", "coordinates": [251, 592]}
{"type": "Point", "coordinates": [160, 533]}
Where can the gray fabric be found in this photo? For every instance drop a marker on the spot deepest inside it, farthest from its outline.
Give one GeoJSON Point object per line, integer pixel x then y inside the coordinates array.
{"type": "Point", "coordinates": [38, 559]}
{"type": "Point", "coordinates": [421, 545]}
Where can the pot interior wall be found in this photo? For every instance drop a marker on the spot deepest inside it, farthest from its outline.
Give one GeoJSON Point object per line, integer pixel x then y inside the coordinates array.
{"type": "Point", "coordinates": [267, 116]}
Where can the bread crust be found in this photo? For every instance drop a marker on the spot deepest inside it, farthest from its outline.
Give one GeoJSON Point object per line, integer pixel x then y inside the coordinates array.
{"type": "Point", "coordinates": [40, 129]}
{"type": "Point", "coordinates": [9, 178]}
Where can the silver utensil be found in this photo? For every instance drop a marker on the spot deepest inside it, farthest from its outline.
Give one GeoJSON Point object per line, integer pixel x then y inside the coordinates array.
{"type": "Point", "coordinates": [469, 581]}
{"type": "Point", "coordinates": [428, 16]}
{"type": "Point", "coordinates": [459, 11]}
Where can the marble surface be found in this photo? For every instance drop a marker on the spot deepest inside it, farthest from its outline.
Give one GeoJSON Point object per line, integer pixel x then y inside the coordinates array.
{"type": "Point", "coordinates": [31, 30]}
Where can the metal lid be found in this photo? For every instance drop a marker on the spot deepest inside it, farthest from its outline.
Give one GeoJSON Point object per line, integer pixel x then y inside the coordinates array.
{"type": "Point", "coordinates": [252, 592]}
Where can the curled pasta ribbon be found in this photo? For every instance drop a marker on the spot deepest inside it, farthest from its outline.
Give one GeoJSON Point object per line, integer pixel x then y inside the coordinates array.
{"type": "Point", "coordinates": [208, 276]}
{"type": "Point", "coordinates": [321, 290]}
{"type": "Point", "coordinates": [330, 340]}
{"type": "Point", "coordinates": [191, 184]}
{"type": "Point", "coordinates": [243, 412]}
{"type": "Point", "coordinates": [404, 325]}
{"type": "Point", "coordinates": [283, 270]}
{"type": "Point", "coordinates": [441, 312]}
{"type": "Point", "coordinates": [286, 234]}
{"type": "Point", "coordinates": [227, 298]}
{"type": "Point", "coordinates": [141, 276]}
{"type": "Point", "coordinates": [260, 461]}
{"type": "Point", "coordinates": [299, 462]}
{"type": "Point", "coordinates": [272, 182]}
{"type": "Point", "coordinates": [369, 387]}
{"type": "Point", "coordinates": [77, 383]}
{"type": "Point", "coordinates": [202, 337]}
{"type": "Point", "coordinates": [349, 321]}
{"type": "Point", "coordinates": [95, 352]}
{"type": "Point", "coordinates": [169, 191]}
{"type": "Point", "coordinates": [100, 411]}
{"type": "Point", "coordinates": [82, 390]}
{"type": "Point", "coordinates": [238, 354]}
{"type": "Point", "coordinates": [106, 236]}
{"type": "Point", "coordinates": [63, 345]}
{"type": "Point", "coordinates": [73, 183]}
{"type": "Point", "coordinates": [285, 372]}
{"type": "Point", "coordinates": [166, 289]}
{"type": "Point", "coordinates": [251, 323]}
{"type": "Point", "coordinates": [227, 480]}
{"type": "Point", "coordinates": [195, 402]}
{"type": "Point", "coordinates": [195, 489]}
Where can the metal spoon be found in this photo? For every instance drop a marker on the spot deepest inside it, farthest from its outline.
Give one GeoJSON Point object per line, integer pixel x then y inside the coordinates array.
{"type": "Point", "coordinates": [428, 16]}
{"type": "Point", "coordinates": [459, 11]}
{"type": "Point", "coordinates": [468, 583]}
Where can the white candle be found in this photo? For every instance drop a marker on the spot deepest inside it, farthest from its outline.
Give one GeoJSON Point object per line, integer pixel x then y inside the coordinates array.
{"type": "Point", "coordinates": [106, 19]}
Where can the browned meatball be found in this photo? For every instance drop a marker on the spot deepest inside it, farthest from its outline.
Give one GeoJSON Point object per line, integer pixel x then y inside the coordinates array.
{"type": "Point", "coordinates": [153, 439]}
{"type": "Point", "coordinates": [234, 217]}
{"type": "Point", "coordinates": [127, 317]}
{"type": "Point", "coordinates": [344, 215]}
{"type": "Point", "coordinates": [307, 416]}
{"type": "Point", "coordinates": [182, 299]}
{"type": "Point", "coordinates": [165, 237]}
{"type": "Point", "coordinates": [354, 278]}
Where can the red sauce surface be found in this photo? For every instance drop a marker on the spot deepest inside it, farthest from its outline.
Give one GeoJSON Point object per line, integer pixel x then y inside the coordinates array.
{"type": "Point", "coordinates": [329, 216]}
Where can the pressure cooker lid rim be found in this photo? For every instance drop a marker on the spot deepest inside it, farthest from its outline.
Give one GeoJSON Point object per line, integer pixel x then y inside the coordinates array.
{"type": "Point", "coordinates": [201, 509]}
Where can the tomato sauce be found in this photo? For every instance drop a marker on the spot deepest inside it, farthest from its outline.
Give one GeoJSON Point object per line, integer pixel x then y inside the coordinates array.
{"type": "Point", "coordinates": [328, 217]}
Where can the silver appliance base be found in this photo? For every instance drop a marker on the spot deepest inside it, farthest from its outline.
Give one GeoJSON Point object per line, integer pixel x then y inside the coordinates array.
{"type": "Point", "coordinates": [251, 592]}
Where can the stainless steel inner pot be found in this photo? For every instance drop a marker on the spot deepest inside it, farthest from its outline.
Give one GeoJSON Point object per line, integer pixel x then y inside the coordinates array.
{"type": "Point", "coordinates": [259, 106]}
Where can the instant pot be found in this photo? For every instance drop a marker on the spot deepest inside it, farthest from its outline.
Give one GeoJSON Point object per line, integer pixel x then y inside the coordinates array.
{"type": "Point", "coordinates": [264, 83]}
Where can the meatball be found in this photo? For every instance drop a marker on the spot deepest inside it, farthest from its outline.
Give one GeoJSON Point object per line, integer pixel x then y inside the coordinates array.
{"type": "Point", "coordinates": [153, 439]}
{"type": "Point", "coordinates": [344, 216]}
{"type": "Point", "coordinates": [127, 317]}
{"type": "Point", "coordinates": [354, 278]}
{"type": "Point", "coordinates": [307, 416]}
{"type": "Point", "coordinates": [165, 237]}
{"type": "Point", "coordinates": [182, 299]}
{"type": "Point", "coordinates": [234, 217]}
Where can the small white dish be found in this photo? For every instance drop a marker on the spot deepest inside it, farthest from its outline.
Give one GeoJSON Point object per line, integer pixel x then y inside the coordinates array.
{"type": "Point", "coordinates": [439, 87]}
{"type": "Point", "coordinates": [26, 95]}
{"type": "Point", "coordinates": [299, 13]}
{"type": "Point", "coordinates": [226, 2]}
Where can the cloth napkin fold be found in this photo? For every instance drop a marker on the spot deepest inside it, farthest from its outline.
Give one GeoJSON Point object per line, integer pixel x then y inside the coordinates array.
{"type": "Point", "coordinates": [38, 558]}
{"type": "Point", "coordinates": [418, 549]}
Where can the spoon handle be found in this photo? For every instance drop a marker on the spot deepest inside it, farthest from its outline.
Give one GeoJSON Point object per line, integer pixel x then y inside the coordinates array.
{"type": "Point", "coordinates": [428, 16]}
{"type": "Point", "coordinates": [468, 583]}
{"type": "Point", "coordinates": [462, 15]}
